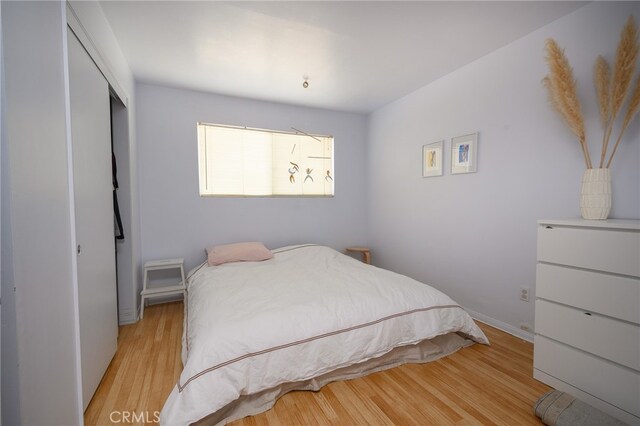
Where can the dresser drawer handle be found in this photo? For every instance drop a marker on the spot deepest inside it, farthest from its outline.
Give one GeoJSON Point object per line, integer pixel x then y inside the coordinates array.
{"type": "Point", "coordinates": [548, 227]}
{"type": "Point", "coordinates": [588, 313]}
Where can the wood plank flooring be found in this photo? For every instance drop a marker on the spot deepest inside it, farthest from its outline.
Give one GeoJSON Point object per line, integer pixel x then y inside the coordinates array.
{"type": "Point", "coordinates": [476, 385]}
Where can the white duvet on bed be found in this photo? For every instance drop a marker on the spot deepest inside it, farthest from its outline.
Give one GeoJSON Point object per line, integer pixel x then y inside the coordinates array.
{"type": "Point", "coordinates": [308, 311]}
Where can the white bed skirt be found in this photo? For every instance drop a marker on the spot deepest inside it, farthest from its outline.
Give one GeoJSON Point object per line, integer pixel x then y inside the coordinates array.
{"type": "Point", "coordinates": [425, 351]}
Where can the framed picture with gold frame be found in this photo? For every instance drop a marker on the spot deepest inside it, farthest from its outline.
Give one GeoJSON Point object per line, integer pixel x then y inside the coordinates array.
{"type": "Point", "coordinates": [432, 159]}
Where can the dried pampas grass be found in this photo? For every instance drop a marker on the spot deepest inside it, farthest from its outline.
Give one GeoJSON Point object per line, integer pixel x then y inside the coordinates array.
{"type": "Point", "coordinates": [602, 81]}
{"type": "Point", "coordinates": [564, 95]}
{"type": "Point", "coordinates": [611, 90]}
{"type": "Point", "coordinates": [632, 110]}
{"type": "Point", "coordinates": [624, 67]}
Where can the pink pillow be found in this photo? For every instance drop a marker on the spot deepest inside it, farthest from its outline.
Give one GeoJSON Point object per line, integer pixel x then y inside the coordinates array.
{"type": "Point", "coordinates": [239, 252]}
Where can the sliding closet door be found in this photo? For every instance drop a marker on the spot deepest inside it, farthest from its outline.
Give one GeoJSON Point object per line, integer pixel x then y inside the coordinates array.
{"type": "Point", "coordinates": [91, 140]}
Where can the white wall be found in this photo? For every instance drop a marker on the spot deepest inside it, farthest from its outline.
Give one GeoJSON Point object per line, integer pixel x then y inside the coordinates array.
{"type": "Point", "coordinates": [177, 222]}
{"type": "Point", "coordinates": [40, 373]}
{"type": "Point", "coordinates": [474, 236]}
{"type": "Point", "coordinates": [36, 209]}
{"type": "Point", "coordinates": [3, 138]}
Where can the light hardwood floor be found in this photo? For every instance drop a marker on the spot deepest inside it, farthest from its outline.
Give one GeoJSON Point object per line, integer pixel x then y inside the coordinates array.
{"type": "Point", "coordinates": [476, 385]}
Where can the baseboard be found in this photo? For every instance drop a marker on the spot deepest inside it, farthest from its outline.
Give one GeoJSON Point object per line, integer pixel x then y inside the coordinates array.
{"type": "Point", "coordinates": [156, 301]}
{"type": "Point", "coordinates": [127, 321]}
{"type": "Point", "coordinates": [507, 328]}
{"type": "Point", "coordinates": [164, 299]}
{"type": "Point", "coordinates": [126, 318]}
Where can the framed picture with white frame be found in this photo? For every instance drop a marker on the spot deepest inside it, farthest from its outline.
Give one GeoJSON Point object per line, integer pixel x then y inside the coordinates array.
{"type": "Point", "coordinates": [432, 159]}
{"type": "Point", "coordinates": [464, 154]}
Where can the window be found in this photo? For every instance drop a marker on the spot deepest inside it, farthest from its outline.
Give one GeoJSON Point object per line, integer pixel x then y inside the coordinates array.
{"type": "Point", "coordinates": [236, 161]}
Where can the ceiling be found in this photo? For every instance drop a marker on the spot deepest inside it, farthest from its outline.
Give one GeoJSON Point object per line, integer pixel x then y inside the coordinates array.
{"type": "Point", "coordinates": [357, 55]}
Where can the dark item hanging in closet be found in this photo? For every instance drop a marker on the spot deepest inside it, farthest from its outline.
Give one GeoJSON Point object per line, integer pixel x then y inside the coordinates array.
{"type": "Point", "coordinates": [116, 209]}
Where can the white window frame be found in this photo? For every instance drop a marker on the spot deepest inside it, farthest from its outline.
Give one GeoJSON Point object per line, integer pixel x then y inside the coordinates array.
{"type": "Point", "coordinates": [279, 173]}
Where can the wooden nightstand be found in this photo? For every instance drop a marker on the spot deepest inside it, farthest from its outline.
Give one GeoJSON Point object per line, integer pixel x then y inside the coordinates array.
{"type": "Point", "coordinates": [366, 253]}
{"type": "Point", "coordinates": [158, 265]}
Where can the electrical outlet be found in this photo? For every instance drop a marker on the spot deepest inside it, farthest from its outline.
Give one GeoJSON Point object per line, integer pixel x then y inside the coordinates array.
{"type": "Point", "coordinates": [526, 327]}
{"type": "Point", "coordinates": [524, 293]}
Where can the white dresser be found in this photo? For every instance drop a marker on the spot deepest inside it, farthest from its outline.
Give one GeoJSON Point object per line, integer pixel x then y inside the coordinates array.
{"type": "Point", "coordinates": [587, 325]}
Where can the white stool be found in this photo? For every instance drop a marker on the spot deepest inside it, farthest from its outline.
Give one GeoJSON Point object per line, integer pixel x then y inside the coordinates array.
{"type": "Point", "coordinates": [157, 265]}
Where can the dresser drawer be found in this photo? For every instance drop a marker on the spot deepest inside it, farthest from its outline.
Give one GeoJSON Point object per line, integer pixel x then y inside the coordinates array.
{"type": "Point", "coordinates": [615, 340]}
{"type": "Point", "coordinates": [606, 294]}
{"type": "Point", "coordinates": [616, 385]}
{"type": "Point", "coordinates": [598, 249]}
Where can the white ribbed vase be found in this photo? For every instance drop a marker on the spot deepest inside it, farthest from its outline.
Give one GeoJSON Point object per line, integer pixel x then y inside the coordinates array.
{"type": "Point", "coordinates": [595, 195]}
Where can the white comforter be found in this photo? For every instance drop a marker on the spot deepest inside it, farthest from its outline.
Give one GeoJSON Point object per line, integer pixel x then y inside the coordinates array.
{"type": "Point", "coordinates": [306, 312]}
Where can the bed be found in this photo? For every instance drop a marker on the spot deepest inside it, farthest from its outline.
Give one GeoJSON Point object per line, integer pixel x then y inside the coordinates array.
{"type": "Point", "coordinates": [310, 315]}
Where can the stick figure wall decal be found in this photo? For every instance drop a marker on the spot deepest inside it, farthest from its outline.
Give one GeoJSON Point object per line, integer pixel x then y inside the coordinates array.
{"type": "Point", "coordinates": [292, 171]}
{"type": "Point", "coordinates": [308, 176]}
